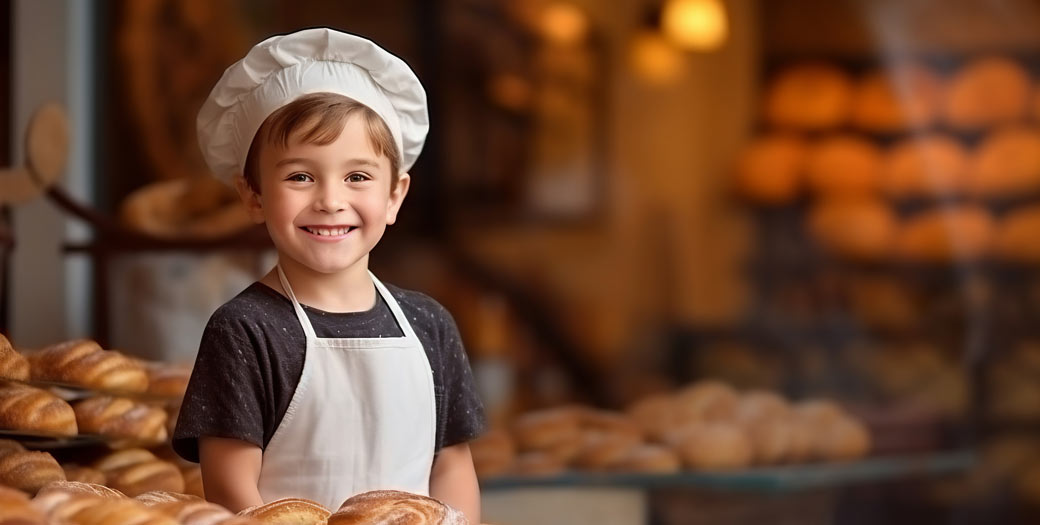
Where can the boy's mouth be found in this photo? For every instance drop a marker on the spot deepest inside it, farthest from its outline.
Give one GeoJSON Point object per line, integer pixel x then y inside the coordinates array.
{"type": "Point", "coordinates": [323, 231]}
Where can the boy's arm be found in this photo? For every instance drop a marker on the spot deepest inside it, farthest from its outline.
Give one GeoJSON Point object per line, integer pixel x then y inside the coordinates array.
{"type": "Point", "coordinates": [230, 472]}
{"type": "Point", "coordinates": [454, 481]}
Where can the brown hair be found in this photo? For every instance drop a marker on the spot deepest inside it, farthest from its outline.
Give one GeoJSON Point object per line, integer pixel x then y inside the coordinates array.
{"type": "Point", "coordinates": [320, 118]}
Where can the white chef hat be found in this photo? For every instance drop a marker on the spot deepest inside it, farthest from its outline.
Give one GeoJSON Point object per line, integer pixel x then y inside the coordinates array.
{"type": "Point", "coordinates": [285, 67]}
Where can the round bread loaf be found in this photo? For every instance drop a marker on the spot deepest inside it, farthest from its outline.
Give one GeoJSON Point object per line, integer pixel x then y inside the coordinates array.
{"type": "Point", "coordinates": [157, 497]}
{"type": "Point", "coordinates": [706, 400]}
{"type": "Point", "coordinates": [925, 166]}
{"type": "Point", "coordinates": [392, 507]}
{"type": "Point", "coordinates": [713, 446]}
{"type": "Point", "coordinates": [1017, 234]}
{"type": "Point", "coordinates": [771, 440]}
{"type": "Point", "coordinates": [123, 458]}
{"type": "Point", "coordinates": [84, 363]}
{"type": "Point", "coordinates": [946, 234]}
{"type": "Point", "coordinates": [811, 95]}
{"type": "Point", "coordinates": [31, 409]}
{"type": "Point", "coordinates": [770, 169]}
{"type": "Point", "coordinates": [29, 471]}
{"type": "Point", "coordinates": [13, 365]}
{"type": "Point", "coordinates": [756, 406]}
{"type": "Point", "coordinates": [650, 459]}
{"type": "Point", "coordinates": [854, 228]}
{"type": "Point", "coordinates": [289, 510]}
{"type": "Point", "coordinates": [1006, 164]}
{"type": "Point", "coordinates": [843, 166]}
{"type": "Point", "coordinates": [987, 91]}
{"type": "Point", "coordinates": [905, 96]}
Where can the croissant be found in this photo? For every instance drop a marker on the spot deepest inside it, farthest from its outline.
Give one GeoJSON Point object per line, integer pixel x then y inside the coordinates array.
{"type": "Point", "coordinates": [84, 363]}
{"type": "Point", "coordinates": [122, 418]}
{"type": "Point", "coordinates": [12, 364]}
{"type": "Point", "coordinates": [29, 471]}
{"type": "Point", "coordinates": [297, 511]}
{"type": "Point", "coordinates": [26, 408]}
{"type": "Point", "coordinates": [392, 507]}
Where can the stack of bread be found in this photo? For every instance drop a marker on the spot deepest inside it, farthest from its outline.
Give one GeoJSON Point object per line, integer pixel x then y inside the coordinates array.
{"type": "Point", "coordinates": [707, 425]}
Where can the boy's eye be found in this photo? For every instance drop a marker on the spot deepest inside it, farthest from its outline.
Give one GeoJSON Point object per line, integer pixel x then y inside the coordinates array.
{"type": "Point", "coordinates": [299, 177]}
{"type": "Point", "coordinates": [356, 177]}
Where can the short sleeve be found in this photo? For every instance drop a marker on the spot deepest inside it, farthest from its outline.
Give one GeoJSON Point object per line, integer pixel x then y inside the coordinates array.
{"type": "Point", "coordinates": [225, 395]}
{"type": "Point", "coordinates": [464, 417]}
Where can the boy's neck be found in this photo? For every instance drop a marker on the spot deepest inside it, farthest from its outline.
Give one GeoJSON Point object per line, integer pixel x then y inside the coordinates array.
{"type": "Point", "coordinates": [351, 290]}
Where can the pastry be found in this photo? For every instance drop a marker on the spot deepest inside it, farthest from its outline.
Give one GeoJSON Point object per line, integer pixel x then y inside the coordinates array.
{"type": "Point", "coordinates": [985, 92]}
{"type": "Point", "coordinates": [770, 169]}
{"type": "Point", "coordinates": [84, 363]}
{"type": "Point", "coordinates": [30, 409]}
{"type": "Point", "coordinates": [12, 364]}
{"type": "Point", "coordinates": [809, 96]}
{"type": "Point", "coordinates": [897, 98]}
{"type": "Point", "coordinates": [121, 418]}
{"type": "Point", "coordinates": [843, 166]}
{"type": "Point", "coordinates": [392, 507]}
{"type": "Point", "coordinates": [933, 166]}
{"type": "Point", "coordinates": [29, 471]}
{"type": "Point", "coordinates": [1006, 164]}
{"type": "Point", "coordinates": [855, 228]}
{"type": "Point", "coordinates": [297, 511]}
{"type": "Point", "coordinates": [946, 234]}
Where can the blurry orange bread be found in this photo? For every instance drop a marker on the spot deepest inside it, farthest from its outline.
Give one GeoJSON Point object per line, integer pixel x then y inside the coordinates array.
{"type": "Point", "coordinates": [987, 91]}
{"type": "Point", "coordinates": [1006, 163]}
{"type": "Point", "coordinates": [770, 169]}
{"type": "Point", "coordinates": [811, 95]}
{"type": "Point", "coordinates": [901, 97]}
{"type": "Point", "coordinates": [947, 234]}
{"type": "Point", "coordinates": [926, 166]}
{"type": "Point", "coordinates": [843, 166]}
{"type": "Point", "coordinates": [854, 228]}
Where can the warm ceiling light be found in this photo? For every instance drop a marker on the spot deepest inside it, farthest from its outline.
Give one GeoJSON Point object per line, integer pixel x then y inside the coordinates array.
{"type": "Point", "coordinates": [654, 59]}
{"type": "Point", "coordinates": [698, 25]}
{"type": "Point", "coordinates": [564, 23]}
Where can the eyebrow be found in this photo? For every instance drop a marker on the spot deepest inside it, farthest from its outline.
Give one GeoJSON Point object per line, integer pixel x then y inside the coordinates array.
{"type": "Point", "coordinates": [302, 160]}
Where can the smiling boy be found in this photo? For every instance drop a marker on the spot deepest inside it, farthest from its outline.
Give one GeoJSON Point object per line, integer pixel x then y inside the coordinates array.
{"type": "Point", "coordinates": [319, 381]}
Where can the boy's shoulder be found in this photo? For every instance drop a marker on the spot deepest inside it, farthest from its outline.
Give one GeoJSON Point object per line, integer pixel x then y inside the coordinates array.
{"type": "Point", "coordinates": [256, 301]}
{"type": "Point", "coordinates": [416, 302]}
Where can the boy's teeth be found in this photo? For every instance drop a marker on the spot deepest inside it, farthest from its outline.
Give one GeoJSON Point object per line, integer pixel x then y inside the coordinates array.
{"type": "Point", "coordinates": [326, 232]}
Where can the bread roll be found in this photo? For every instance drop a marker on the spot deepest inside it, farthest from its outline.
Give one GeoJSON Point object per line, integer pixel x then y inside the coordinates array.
{"type": "Point", "coordinates": [77, 487]}
{"type": "Point", "coordinates": [985, 92]}
{"type": "Point", "coordinates": [84, 363]}
{"type": "Point", "coordinates": [757, 406]}
{"type": "Point", "coordinates": [29, 471]}
{"type": "Point", "coordinates": [121, 512]}
{"type": "Point", "coordinates": [83, 474]}
{"type": "Point", "coordinates": [123, 458]}
{"type": "Point", "coordinates": [842, 439]}
{"type": "Point", "coordinates": [193, 482]}
{"type": "Point", "coordinates": [898, 98]}
{"type": "Point", "coordinates": [1006, 164]}
{"type": "Point", "coordinates": [705, 401]}
{"type": "Point", "coordinates": [167, 380]}
{"type": "Point", "coordinates": [926, 166]}
{"type": "Point", "coordinates": [15, 509]}
{"type": "Point", "coordinates": [809, 96]}
{"type": "Point", "coordinates": [607, 421]}
{"type": "Point", "coordinates": [392, 507]}
{"type": "Point", "coordinates": [650, 459]}
{"type": "Point", "coordinates": [772, 440]}
{"type": "Point", "coordinates": [602, 450]}
{"type": "Point", "coordinates": [855, 228]}
{"type": "Point", "coordinates": [289, 510]}
{"type": "Point", "coordinates": [770, 169]}
{"type": "Point", "coordinates": [1016, 236]}
{"type": "Point", "coordinates": [654, 414]}
{"type": "Point", "coordinates": [713, 446]}
{"type": "Point", "coordinates": [9, 446]}
{"type": "Point", "coordinates": [946, 234]}
{"type": "Point", "coordinates": [493, 453]}
{"type": "Point", "coordinates": [12, 364]}
{"type": "Point", "coordinates": [844, 166]}
{"type": "Point", "coordinates": [121, 418]}
{"type": "Point", "coordinates": [25, 408]}
{"type": "Point", "coordinates": [147, 476]}
{"type": "Point", "coordinates": [547, 428]}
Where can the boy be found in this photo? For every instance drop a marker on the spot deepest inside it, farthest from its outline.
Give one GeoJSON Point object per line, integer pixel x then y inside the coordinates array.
{"type": "Point", "coordinates": [318, 381]}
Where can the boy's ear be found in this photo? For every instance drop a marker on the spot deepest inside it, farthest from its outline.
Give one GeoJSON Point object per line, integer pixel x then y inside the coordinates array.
{"type": "Point", "coordinates": [397, 195]}
{"type": "Point", "coordinates": [250, 199]}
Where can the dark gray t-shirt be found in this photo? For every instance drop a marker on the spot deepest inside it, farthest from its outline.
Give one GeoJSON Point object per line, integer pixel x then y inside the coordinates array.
{"type": "Point", "coordinates": [251, 358]}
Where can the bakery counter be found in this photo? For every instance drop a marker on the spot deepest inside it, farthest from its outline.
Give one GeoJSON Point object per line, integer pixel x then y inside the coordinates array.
{"type": "Point", "coordinates": [807, 490]}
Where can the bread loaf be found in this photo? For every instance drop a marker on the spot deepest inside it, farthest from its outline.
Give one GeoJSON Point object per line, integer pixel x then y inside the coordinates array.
{"type": "Point", "coordinates": [1006, 164]}
{"type": "Point", "coordinates": [193, 482]}
{"type": "Point", "coordinates": [705, 401]}
{"type": "Point", "coordinates": [29, 471]}
{"type": "Point", "coordinates": [655, 459]}
{"type": "Point", "coordinates": [84, 363]}
{"type": "Point", "coordinates": [987, 91]}
{"type": "Point", "coordinates": [897, 98]}
{"type": "Point", "coordinates": [121, 512]}
{"type": "Point", "coordinates": [25, 408]}
{"type": "Point", "coordinates": [809, 96]}
{"type": "Point", "coordinates": [391, 507]}
{"type": "Point", "coordinates": [297, 511]}
{"type": "Point", "coordinates": [77, 487]}
{"type": "Point", "coordinates": [83, 474]}
{"type": "Point", "coordinates": [926, 166]}
{"type": "Point", "coordinates": [15, 509]}
{"type": "Point", "coordinates": [167, 380]}
{"type": "Point", "coordinates": [136, 471]}
{"type": "Point", "coordinates": [713, 446]}
{"type": "Point", "coordinates": [156, 497]}
{"type": "Point", "coordinates": [195, 512]}
{"type": "Point", "coordinates": [12, 364]}
{"type": "Point", "coordinates": [121, 418]}
{"type": "Point", "coordinates": [603, 450]}
{"type": "Point", "coordinates": [123, 458]}
{"type": "Point", "coordinates": [537, 463]}
{"type": "Point", "coordinates": [558, 427]}
{"type": "Point", "coordinates": [862, 229]}
{"type": "Point", "coordinates": [770, 169]}
{"type": "Point", "coordinates": [844, 166]}
{"type": "Point", "coordinates": [654, 414]}
{"type": "Point", "coordinates": [946, 234]}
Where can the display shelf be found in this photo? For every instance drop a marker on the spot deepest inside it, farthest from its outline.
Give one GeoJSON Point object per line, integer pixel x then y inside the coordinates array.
{"type": "Point", "coordinates": [762, 479]}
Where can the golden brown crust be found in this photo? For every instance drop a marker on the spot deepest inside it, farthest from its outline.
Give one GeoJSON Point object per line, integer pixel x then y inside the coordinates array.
{"type": "Point", "coordinates": [603, 450]}
{"type": "Point", "coordinates": [897, 98]}
{"type": "Point", "coordinates": [15, 509]}
{"type": "Point", "coordinates": [493, 453]}
{"type": "Point", "coordinates": [290, 510]}
{"type": "Point", "coordinates": [713, 446]}
{"type": "Point", "coordinates": [970, 102]}
{"type": "Point", "coordinates": [84, 363]}
{"type": "Point", "coordinates": [121, 512]}
{"type": "Point", "coordinates": [13, 365]}
{"type": "Point", "coordinates": [708, 400]}
{"type": "Point", "coordinates": [147, 476]}
{"type": "Point", "coordinates": [844, 166]}
{"type": "Point", "coordinates": [77, 487]}
{"type": "Point", "coordinates": [167, 380]}
{"type": "Point", "coordinates": [943, 235]}
{"type": "Point", "coordinates": [770, 169]}
{"type": "Point", "coordinates": [1006, 163]}
{"type": "Point", "coordinates": [654, 414]}
{"type": "Point", "coordinates": [29, 471]}
{"type": "Point", "coordinates": [194, 512]}
{"type": "Point", "coordinates": [857, 229]}
{"type": "Point", "coordinates": [157, 497]}
{"type": "Point", "coordinates": [809, 96]}
{"type": "Point", "coordinates": [392, 507]}
{"type": "Point", "coordinates": [122, 418]}
{"type": "Point", "coordinates": [123, 458]}
{"type": "Point", "coordinates": [83, 474]}
{"type": "Point", "coordinates": [25, 408]}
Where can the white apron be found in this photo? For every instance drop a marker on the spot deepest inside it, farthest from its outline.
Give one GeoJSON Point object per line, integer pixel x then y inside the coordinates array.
{"type": "Point", "coordinates": [363, 417]}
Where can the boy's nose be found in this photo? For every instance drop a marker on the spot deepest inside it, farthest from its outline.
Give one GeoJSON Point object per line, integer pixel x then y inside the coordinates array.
{"type": "Point", "coordinates": [331, 201]}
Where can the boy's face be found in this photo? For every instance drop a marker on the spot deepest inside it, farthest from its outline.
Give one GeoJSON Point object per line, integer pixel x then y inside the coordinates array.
{"type": "Point", "coordinates": [326, 206]}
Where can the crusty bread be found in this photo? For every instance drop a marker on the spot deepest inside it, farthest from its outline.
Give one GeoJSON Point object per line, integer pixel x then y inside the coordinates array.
{"type": "Point", "coordinates": [812, 95]}
{"type": "Point", "coordinates": [547, 429]}
{"type": "Point", "coordinates": [84, 363]}
{"type": "Point", "coordinates": [895, 98]}
{"type": "Point", "coordinates": [713, 446]}
{"type": "Point", "coordinates": [167, 380]}
{"type": "Point", "coordinates": [143, 477]}
{"type": "Point", "coordinates": [158, 497]}
{"type": "Point", "coordinates": [123, 458]}
{"type": "Point", "coordinates": [769, 170]}
{"type": "Point", "coordinates": [195, 512]}
{"type": "Point", "coordinates": [121, 512]}
{"type": "Point", "coordinates": [294, 511]}
{"type": "Point", "coordinates": [77, 487]}
{"type": "Point", "coordinates": [861, 228]}
{"type": "Point", "coordinates": [392, 507]}
{"type": "Point", "coordinates": [707, 400]}
{"type": "Point", "coordinates": [493, 453]}
{"type": "Point", "coordinates": [83, 474]}
{"type": "Point", "coordinates": [121, 418]}
{"type": "Point", "coordinates": [987, 91]}
{"type": "Point", "coordinates": [925, 166]}
{"type": "Point", "coordinates": [12, 364]}
{"type": "Point", "coordinates": [655, 415]}
{"type": "Point", "coordinates": [26, 408]}
{"type": "Point", "coordinates": [844, 166]}
{"type": "Point", "coordinates": [15, 509]}
{"type": "Point", "coordinates": [29, 471]}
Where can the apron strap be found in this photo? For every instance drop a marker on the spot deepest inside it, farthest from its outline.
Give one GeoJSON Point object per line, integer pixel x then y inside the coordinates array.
{"type": "Point", "coordinates": [402, 321]}
{"type": "Point", "coordinates": [305, 322]}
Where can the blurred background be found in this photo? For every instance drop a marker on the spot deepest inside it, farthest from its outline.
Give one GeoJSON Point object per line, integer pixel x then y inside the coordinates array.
{"type": "Point", "coordinates": [792, 243]}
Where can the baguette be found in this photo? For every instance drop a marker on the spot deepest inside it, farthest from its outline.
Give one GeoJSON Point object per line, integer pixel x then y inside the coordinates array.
{"type": "Point", "coordinates": [84, 363]}
{"type": "Point", "coordinates": [12, 364]}
{"type": "Point", "coordinates": [31, 409]}
{"type": "Point", "coordinates": [121, 418]}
